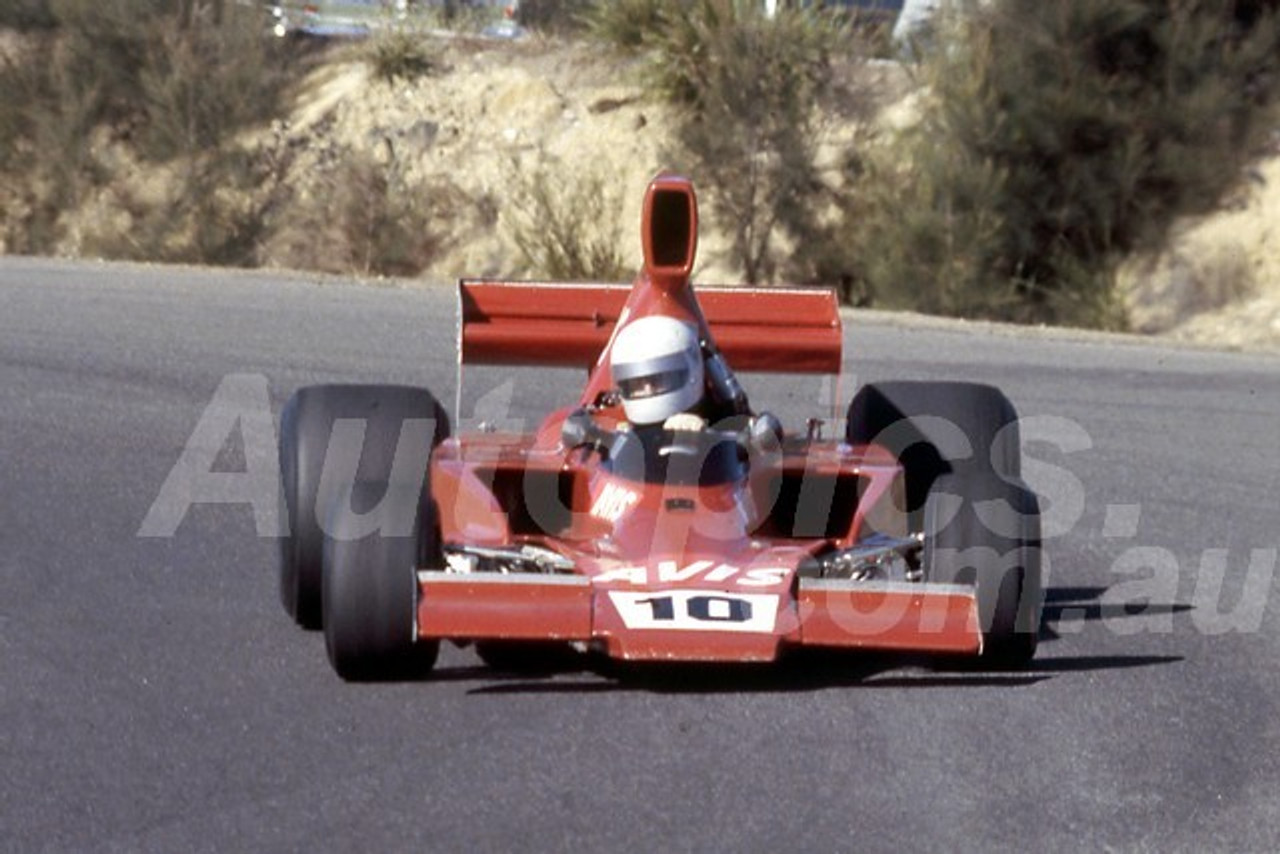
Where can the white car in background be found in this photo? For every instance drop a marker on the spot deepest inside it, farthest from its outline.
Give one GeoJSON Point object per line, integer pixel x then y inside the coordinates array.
{"type": "Point", "coordinates": [360, 18]}
{"type": "Point", "coordinates": [909, 16]}
{"type": "Point", "coordinates": [914, 16]}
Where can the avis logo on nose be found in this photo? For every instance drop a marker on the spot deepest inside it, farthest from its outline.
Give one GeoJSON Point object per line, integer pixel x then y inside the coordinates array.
{"type": "Point", "coordinates": [669, 572]}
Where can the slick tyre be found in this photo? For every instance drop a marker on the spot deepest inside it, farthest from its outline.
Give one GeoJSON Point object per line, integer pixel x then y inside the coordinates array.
{"type": "Point", "coordinates": [984, 532]}
{"type": "Point", "coordinates": [307, 425]}
{"type": "Point", "coordinates": [379, 536]}
{"type": "Point", "coordinates": [937, 428]}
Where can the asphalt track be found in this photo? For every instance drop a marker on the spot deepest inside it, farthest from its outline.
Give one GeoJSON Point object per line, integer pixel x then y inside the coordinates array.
{"type": "Point", "coordinates": [153, 696]}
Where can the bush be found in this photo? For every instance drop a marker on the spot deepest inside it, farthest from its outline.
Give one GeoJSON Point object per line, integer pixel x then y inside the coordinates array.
{"type": "Point", "coordinates": [362, 214]}
{"type": "Point", "coordinates": [627, 24]}
{"type": "Point", "coordinates": [399, 52]}
{"type": "Point", "coordinates": [26, 14]}
{"type": "Point", "coordinates": [45, 122]}
{"type": "Point", "coordinates": [750, 87]}
{"type": "Point", "coordinates": [346, 211]}
{"type": "Point", "coordinates": [387, 226]}
{"type": "Point", "coordinates": [1059, 138]}
{"type": "Point", "coordinates": [202, 82]}
{"type": "Point", "coordinates": [169, 79]}
{"type": "Point", "coordinates": [213, 212]}
{"type": "Point", "coordinates": [567, 230]}
{"type": "Point", "coordinates": [746, 88]}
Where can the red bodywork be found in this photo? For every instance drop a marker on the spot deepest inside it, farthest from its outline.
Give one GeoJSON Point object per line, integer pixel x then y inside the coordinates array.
{"type": "Point", "coordinates": [670, 570]}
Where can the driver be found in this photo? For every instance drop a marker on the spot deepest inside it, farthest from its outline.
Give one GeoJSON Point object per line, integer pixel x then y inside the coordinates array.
{"type": "Point", "coordinates": [657, 367]}
{"type": "Point", "coordinates": [661, 371]}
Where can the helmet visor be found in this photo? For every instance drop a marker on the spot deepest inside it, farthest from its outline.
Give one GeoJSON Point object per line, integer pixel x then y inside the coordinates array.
{"type": "Point", "coordinates": [652, 385]}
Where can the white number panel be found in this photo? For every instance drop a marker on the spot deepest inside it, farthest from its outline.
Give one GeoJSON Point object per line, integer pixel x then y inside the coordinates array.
{"type": "Point", "coordinates": [697, 610]}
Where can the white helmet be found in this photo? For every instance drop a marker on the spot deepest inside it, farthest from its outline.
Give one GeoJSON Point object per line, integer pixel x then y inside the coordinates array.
{"type": "Point", "coordinates": [657, 365]}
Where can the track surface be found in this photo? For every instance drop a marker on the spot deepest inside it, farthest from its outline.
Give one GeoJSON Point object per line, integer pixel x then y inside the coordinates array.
{"type": "Point", "coordinates": [154, 696]}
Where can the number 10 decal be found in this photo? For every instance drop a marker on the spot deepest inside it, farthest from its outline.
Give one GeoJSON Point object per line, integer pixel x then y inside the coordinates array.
{"type": "Point", "coordinates": [697, 610]}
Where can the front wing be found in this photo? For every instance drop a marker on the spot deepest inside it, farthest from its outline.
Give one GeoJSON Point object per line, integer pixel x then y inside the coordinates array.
{"type": "Point", "coordinates": [679, 624]}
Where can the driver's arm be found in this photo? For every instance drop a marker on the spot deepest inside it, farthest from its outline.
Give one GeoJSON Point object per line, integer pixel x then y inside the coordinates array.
{"type": "Point", "coordinates": [580, 429]}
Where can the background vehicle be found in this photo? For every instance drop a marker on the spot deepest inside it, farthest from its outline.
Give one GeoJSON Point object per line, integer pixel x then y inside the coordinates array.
{"type": "Point", "coordinates": [361, 18]}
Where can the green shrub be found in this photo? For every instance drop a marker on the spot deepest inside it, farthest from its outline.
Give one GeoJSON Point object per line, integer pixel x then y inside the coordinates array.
{"type": "Point", "coordinates": [1060, 137]}
{"type": "Point", "coordinates": [746, 88]}
{"type": "Point", "coordinates": [400, 52]}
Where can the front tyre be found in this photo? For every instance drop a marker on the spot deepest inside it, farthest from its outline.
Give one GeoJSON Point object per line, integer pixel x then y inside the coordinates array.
{"type": "Point", "coordinates": [984, 531]}
{"type": "Point", "coordinates": [307, 428]}
{"type": "Point", "coordinates": [378, 535]}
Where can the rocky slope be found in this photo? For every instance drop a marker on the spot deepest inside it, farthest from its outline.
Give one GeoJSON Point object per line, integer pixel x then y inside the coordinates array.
{"type": "Point", "coordinates": [495, 115]}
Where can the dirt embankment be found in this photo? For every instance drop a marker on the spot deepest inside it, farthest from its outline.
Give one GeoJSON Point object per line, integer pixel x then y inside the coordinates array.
{"type": "Point", "coordinates": [1219, 281]}
{"type": "Point", "coordinates": [486, 122]}
{"type": "Point", "coordinates": [494, 114]}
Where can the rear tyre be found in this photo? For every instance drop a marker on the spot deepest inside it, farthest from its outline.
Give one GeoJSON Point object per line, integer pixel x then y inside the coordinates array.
{"type": "Point", "coordinates": [983, 531]}
{"type": "Point", "coordinates": [378, 538]}
{"type": "Point", "coordinates": [306, 426]}
{"type": "Point", "coordinates": [937, 428]}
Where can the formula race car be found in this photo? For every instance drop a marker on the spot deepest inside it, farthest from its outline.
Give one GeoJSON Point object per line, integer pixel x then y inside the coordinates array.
{"type": "Point", "coordinates": [658, 517]}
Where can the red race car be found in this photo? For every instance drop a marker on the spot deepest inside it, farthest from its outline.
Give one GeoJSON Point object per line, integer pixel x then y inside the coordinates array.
{"type": "Point", "coordinates": [658, 517]}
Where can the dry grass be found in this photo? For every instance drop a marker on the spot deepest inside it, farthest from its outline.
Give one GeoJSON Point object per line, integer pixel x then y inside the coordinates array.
{"type": "Point", "coordinates": [566, 223]}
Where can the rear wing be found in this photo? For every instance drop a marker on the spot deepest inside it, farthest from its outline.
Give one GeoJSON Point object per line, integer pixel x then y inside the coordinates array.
{"type": "Point", "coordinates": [774, 330]}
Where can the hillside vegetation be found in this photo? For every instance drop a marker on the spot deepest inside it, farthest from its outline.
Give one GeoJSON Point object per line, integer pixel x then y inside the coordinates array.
{"type": "Point", "coordinates": [1032, 161]}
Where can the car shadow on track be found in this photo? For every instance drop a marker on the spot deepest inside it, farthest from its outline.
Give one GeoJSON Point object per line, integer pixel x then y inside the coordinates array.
{"type": "Point", "coordinates": [783, 679]}
{"type": "Point", "coordinates": [1076, 606]}
{"type": "Point", "coordinates": [698, 681]}
{"type": "Point", "coordinates": [795, 674]}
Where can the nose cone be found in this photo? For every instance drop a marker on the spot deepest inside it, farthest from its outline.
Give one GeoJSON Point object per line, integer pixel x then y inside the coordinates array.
{"type": "Point", "coordinates": [669, 231]}
{"type": "Point", "coordinates": [687, 525]}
